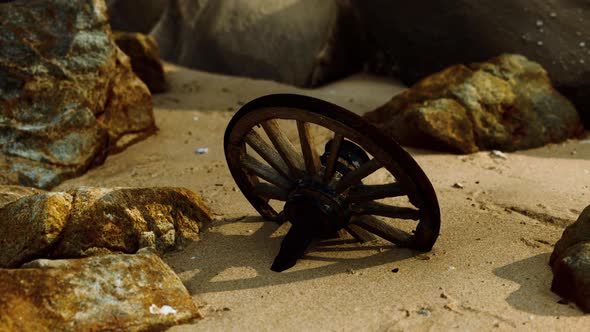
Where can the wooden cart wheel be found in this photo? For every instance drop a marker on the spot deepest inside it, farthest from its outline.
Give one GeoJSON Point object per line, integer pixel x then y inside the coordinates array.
{"type": "Point", "coordinates": [322, 194]}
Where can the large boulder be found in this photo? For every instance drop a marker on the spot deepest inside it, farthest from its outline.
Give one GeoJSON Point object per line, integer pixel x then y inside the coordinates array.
{"type": "Point", "coordinates": [412, 39]}
{"type": "Point", "coordinates": [145, 58]}
{"type": "Point", "coordinates": [135, 15]}
{"type": "Point", "coordinates": [108, 293]}
{"type": "Point", "coordinates": [68, 95]}
{"type": "Point", "coordinates": [570, 262]}
{"type": "Point", "coordinates": [507, 103]}
{"type": "Point", "coordinates": [95, 221]}
{"type": "Point", "coordinates": [300, 42]}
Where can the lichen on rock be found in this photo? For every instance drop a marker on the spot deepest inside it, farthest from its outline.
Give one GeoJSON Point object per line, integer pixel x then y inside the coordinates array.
{"type": "Point", "coordinates": [112, 292]}
{"type": "Point", "coordinates": [67, 93]}
{"type": "Point", "coordinates": [507, 103]}
{"type": "Point", "coordinates": [98, 221]}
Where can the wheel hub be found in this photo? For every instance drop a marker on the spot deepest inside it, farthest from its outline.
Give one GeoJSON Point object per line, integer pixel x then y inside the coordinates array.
{"type": "Point", "coordinates": [316, 208]}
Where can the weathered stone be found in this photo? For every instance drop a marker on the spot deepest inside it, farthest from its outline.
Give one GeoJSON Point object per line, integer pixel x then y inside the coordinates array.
{"type": "Point", "coordinates": [9, 194]}
{"type": "Point", "coordinates": [31, 226]}
{"type": "Point", "coordinates": [107, 293]}
{"type": "Point", "coordinates": [507, 103]}
{"type": "Point", "coordinates": [135, 15]}
{"type": "Point", "coordinates": [300, 42]}
{"type": "Point", "coordinates": [115, 220]}
{"type": "Point", "coordinates": [145, 58]}
{"type": "Point", "coordinates": [570, 262]}
{"type": "Point", "coordinates": [67, 93]}
{"type": "Point", "coordinates": [413, 39]}
{"type": "Point", "coordinates": [98, 221]}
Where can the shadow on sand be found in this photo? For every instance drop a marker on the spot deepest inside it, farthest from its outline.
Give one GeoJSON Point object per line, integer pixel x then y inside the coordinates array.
{"type": "Point", "coordinates": [254, 252]}
{"type": "Point", "coordinates": [534, 296]}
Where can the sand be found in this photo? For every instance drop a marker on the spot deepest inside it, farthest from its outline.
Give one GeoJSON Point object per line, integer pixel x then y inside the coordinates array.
{"type": "Point", "coordinates": [488, 270]}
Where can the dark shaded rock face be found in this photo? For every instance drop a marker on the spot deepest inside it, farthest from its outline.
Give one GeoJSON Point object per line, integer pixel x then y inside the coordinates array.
{"type": "Point", "coordinates": [67, 93]}
{"type": "Point", "coordinates": [412, 39]}
{"type": "Point", "coordinates": [570, 262]}
{"type": "Point", "coordinates": [135, 15]}
{"type": "Point", "coordinates": [96, 221]}
{"type": "Point", "coordinates": [108, 293]}
{"type": "Point", "coordinates": [145, 58]}
{"type": "Point", "coordinates": [300, 42]}
{"type": "Point", "coordinates": [507, 103]}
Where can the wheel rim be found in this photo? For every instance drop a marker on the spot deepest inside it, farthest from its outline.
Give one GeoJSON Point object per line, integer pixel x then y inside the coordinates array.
{"type": "Point", "coordinates": [267, 165]}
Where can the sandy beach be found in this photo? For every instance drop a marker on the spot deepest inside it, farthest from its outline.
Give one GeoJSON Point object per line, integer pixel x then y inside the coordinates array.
{"type": "Point", "coordinates": [488, 271]}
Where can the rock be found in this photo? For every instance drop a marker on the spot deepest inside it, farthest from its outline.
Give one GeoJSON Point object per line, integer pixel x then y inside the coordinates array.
{"type": "Point", "coordinates": [570, 262]}
{"type": "Point", "coordinates": [410, 40]}
{"type": "Point", "coordinates": [99, 221]}
{"type": "Point", "coordinates": [113, 220]}
{"type": "Point", "coordinates": [300, 42]}
{"type": "Point", "coordinates": [68, 95]}
{"type": "Point", "coordinates": [107, 293]}
{"type": "Point", "coordinates": [31, 226]}
{"type": "Point", "coordinates": [9, 194]}
{"type": "Point", "coordinates": [145, 58]}
{"type": "Point", "coordinates": [135, 15]}
{"type": "Point", "coordinates": [506, 104]}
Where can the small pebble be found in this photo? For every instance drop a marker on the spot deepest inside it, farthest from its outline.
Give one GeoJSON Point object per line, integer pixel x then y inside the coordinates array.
{"type": "Point", "coordinates": [351, 271]}
{"type": "Point", "coordinates": [498, 154]}
{"type": "Point", "coordinates": [458, 185]}
{"type": "Point", "coordinates": [553, 14]}
{"type": "Point", "coordinates": [451, 268]}
{"type": "Point", "coordinates": [195, 118]}
{"type": "Point", "coordinates": [424, 312]}
{"type": "Point", "coordinates": [539, 23]}
{"type": "Point", "coordinates": [202, 150]}
{"type": "Point", "coordinates": [540, 43]}
{"type": "Point", "coordinates": [194, 257]}
{"type": "Point", "coordinates": [582, 44]}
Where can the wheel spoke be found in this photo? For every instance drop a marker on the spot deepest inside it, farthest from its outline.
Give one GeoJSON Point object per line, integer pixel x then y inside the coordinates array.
{"type": "Point", "coordinates": [283, 146]}
{"type": "Point", "coordinates": [359, 233]}
{"type": "Point", "coordinates": [366, 193]}
{"type": "Point", "coordinates": [357, 175]}
{"type": "Point", "coordinates": [270, 192]}
{"type": "Point", "coordinates": [383, 210]}
{"type": "Point", "coordinates": [310, 154]}
{"type": "Point", "coordinates": [384, 230]}
{"type": "Point", "coordinates": [265, 172]}
{"type": "Point", "coordinates": [256, 142]}
{"type": "Point", "coordinates": [334, 150]}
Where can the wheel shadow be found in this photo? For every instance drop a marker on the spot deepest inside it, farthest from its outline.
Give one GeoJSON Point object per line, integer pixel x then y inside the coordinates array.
{"type": "Point", "coordinates": [252, 254]}
{"type": "Point", "coordinates": [534, 295]}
